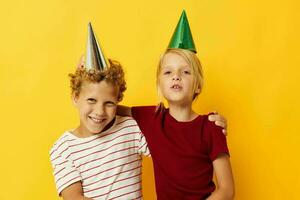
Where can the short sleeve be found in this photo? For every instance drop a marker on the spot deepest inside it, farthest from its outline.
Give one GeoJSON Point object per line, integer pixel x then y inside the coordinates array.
{"type": "Point", "coordinates": [143, 146]}
{"type": "Point", "coordinates": [216, 140]}
{"type": "Point", "coordinates": [64, 170]}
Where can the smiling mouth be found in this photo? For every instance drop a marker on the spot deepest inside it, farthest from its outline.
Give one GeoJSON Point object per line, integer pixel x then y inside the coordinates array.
{"type": "Point", "coordinates": [96, 120]}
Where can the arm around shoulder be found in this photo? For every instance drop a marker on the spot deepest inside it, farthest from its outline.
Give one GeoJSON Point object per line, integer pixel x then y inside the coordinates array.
{"type": "Point", "coordinates": [225, 183]}
{"type": "Point", "coordinates": [124, 111]}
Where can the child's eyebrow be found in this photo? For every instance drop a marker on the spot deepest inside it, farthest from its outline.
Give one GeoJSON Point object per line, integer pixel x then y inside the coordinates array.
{"type": "Point", "coordinates": [167, 67]}
{"type": "Point", "coordinates": [108, 102]}
{"type": "Point", "coordinates": [185, 65]}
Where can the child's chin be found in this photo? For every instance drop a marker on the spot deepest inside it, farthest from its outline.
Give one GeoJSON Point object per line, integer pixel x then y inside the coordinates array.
{"type": "Point", "coordinates": [95, 131]}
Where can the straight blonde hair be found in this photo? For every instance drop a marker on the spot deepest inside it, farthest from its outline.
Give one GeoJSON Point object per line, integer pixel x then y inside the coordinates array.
{"type": "Point", "coordinates": [196, 68]}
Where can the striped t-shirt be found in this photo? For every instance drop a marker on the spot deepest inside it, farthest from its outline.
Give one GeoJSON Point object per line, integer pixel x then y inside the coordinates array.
{"type": "Point", "coordinates": [108, 164]}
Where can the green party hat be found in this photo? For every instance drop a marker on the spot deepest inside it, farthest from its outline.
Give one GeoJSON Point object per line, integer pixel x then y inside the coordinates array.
{"type": "Point", "coordinates": [182, 37]}
{"type": "Point", "coordinates": [95, 58]}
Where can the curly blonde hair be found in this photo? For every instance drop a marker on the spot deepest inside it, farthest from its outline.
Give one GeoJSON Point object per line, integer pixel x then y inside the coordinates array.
{"type": "Point", "coordinates": [114, 74]}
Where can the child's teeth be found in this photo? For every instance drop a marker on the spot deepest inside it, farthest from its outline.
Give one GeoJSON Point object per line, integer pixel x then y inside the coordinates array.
{"type": "Point", "coordinates": [96, 120]}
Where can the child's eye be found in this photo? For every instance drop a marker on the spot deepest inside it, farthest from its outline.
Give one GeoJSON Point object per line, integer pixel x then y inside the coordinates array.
{"type": "Point", "coordinates": [91, 100]}
{"type": "Point", "coordinates": [167, 72]}
{"type": "Point", "coordinates": [110, 104]}
{"type": "Point", "coordinates": [186, 72]}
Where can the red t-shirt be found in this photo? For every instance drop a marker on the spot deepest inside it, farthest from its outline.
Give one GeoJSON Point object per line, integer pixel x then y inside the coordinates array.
{"type": "Point", "coordinates": [182, 153]}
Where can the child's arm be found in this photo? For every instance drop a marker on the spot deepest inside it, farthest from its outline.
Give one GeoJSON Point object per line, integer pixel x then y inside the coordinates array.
{"type": "Point", "coordinates": [124, 111]}
{"type": "Point", "coordinates": [225, 185]}
{"type": "Point", "coordinates": [74, 192]}
{"type": "Point", "coordinates": [215, 117]}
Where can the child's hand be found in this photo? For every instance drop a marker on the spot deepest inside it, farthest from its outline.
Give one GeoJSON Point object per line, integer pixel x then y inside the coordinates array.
{"type": "Point", "coordinates": [219, 121]}
{"type": "Point", "coordinates": [81, 62]}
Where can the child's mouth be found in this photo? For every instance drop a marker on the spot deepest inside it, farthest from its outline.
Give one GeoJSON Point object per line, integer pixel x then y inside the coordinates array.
{"type": "Point", "coordinates": [97, 120]}
{"type": "Point", "coordinates": [176, 87]}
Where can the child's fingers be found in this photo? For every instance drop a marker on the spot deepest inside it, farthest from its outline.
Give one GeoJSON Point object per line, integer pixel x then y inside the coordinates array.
{"type": "Point", "coordinates": [215, 117]}
{"type": "Point", "coordinates": [212, 117]}
{"type": "Point", "coordinates": [224, 132]}
{"type": "Point", "coordinates": [219, 121]}
{"type": "Point", "coordinates": [221, 124]}
{"type": "Point", "coordinates": [218, 118]}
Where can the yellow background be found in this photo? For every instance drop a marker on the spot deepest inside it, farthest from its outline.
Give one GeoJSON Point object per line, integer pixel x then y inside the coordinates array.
{"type": "Point", "coordinates": [250, 54]}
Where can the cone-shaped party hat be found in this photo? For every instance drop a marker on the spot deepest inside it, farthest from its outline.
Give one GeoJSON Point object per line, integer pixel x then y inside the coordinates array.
{"type": "Point", "coordinates": [95, 58]}
{"type": "Point", "coordinates": [182, 37]}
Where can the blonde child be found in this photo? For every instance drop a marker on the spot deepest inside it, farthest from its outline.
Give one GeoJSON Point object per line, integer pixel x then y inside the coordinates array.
{"type": "Point", "coordinates": [186, 148]}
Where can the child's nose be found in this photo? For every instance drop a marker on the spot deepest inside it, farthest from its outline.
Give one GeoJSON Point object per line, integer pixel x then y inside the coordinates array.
{"type": "Point", "coordinates": [176, 77]}
{"type": "Point", "coordinates": [99, 110]}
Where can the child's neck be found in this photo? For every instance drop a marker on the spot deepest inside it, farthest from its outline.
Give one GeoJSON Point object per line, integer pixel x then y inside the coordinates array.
{"type": "Point", "coordinates": [182, 113]}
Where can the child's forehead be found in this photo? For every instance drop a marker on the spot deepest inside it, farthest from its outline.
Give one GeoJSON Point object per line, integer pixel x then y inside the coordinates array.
{"type": "Point", "coordinates": [175, 66]}
{"type": "Point", "coordinates": [171, 58]}
{"type": "Point", "coordinates": [98, 87]}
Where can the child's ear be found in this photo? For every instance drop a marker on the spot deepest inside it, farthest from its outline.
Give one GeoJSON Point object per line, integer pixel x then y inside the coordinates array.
{"type": "Point", "coordinates": [74, 99]}
{"type": "Point", "coordinates": [198, 90]}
